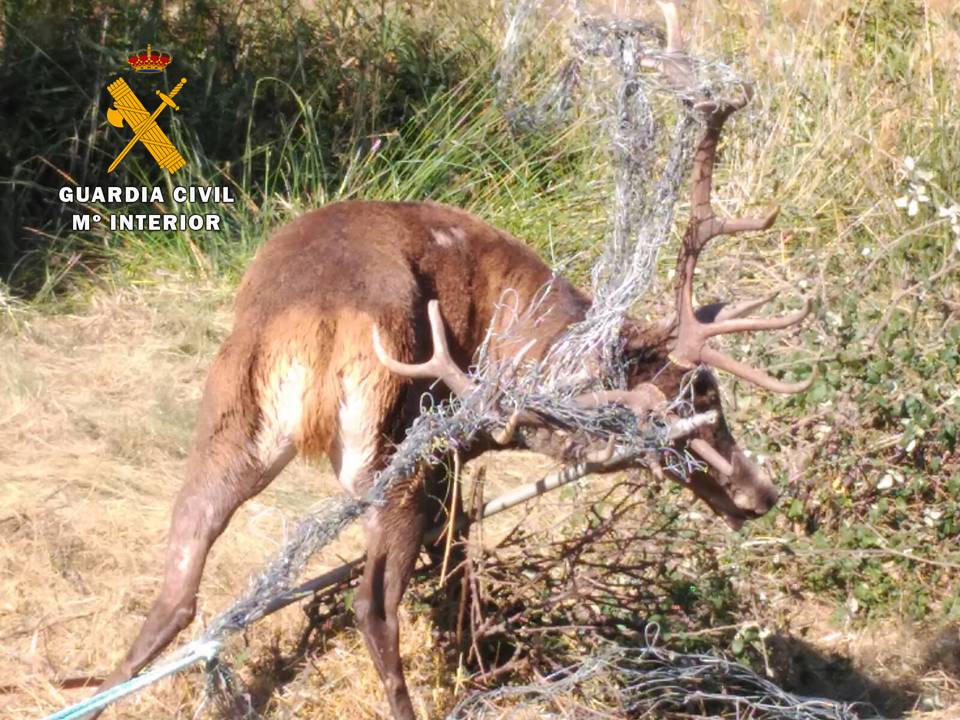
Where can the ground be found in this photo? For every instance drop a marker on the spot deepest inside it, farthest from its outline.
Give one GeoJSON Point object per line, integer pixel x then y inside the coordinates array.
{"type": "Point", "coordinates": [95, 418]}
{"type": "Point", "coordinates": [850, 589]}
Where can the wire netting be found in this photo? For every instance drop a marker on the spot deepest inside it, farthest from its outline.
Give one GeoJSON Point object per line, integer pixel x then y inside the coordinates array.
{"type": "Point", "coordinates": [613, 80]}
{"type": "Point", "coordinates": [646, 680]}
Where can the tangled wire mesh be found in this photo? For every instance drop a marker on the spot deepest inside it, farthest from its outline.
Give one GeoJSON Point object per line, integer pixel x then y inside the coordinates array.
{"type": "Point", "coordinates": [610, 63]}
{"type": "Point", "coordinates": [649, 681]}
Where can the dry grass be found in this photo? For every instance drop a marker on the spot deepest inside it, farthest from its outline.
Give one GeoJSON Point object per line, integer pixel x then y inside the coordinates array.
{"type": "Point", "coordinates": [96, 415]}
{"type": "Point", "coordinates": [95, 418]}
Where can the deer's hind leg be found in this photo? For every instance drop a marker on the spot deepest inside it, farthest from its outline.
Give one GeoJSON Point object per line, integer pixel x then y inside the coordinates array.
{"type": "Point", "coordinates": [244, 438]}
{"type": "Point", "coordinates": [394, 535]}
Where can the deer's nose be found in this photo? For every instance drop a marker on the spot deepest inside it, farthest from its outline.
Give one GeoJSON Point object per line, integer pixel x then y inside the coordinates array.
{"type": "Point", "coordinates": [755, 493]}
{"type": "Point", "coordinates": [767, 497]}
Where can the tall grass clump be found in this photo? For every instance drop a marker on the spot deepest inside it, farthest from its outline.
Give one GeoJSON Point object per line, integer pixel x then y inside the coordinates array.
{"type": "Point", "coordinates": [855, 132]}
{"type": "Point", "coordinates": [282, 104]}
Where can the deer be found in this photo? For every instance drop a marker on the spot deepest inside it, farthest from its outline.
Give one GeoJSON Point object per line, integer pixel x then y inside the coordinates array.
{"type": "Point", "coordinates": [351, 312]}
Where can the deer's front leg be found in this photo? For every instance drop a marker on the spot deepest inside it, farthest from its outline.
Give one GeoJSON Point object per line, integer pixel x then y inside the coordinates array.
{"type": "Point", "coordinates": [213, 491]}
{"type": "Point", "coordinates": [394, 535]}
{"type": "Point", "coordinates": [240, 446]}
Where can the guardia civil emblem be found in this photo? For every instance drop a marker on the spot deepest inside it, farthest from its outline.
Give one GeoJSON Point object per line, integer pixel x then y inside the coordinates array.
{"type": "Point", "coordinates": [129, 110]}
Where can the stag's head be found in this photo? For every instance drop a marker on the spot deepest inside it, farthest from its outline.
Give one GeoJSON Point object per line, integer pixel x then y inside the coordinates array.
{"type": "Point", "coordinates": [725, 477]}
{"type": "Point", "coordinates": [677, 354]}
{"type": "Point", "coordinates": [729, 482]}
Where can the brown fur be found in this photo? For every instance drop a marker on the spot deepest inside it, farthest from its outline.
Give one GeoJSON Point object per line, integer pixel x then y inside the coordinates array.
{"type": "Point", "coordinates": [299, 374]}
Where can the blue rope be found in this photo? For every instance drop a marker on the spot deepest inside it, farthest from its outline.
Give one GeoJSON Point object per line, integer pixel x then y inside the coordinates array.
{"type": "Point", "coordinates": [192, 653]}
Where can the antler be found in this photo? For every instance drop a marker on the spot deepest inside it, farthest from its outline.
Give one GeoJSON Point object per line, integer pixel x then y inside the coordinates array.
{"type": "Point", "coordinates": [738, 310]}
{"type": "Point", "coordinates": [440, 366]}
{"type": "Point", "coordinates": [674, 65]}
{"type": "Point", "coordinates": [641, 400]}
{"type": "Point", "coordinates": [691, 346]}
{"type": "Point", "coordinates": [672, 19]}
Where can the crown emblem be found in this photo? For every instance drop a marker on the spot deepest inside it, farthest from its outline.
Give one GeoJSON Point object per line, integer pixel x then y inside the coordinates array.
{"type": "Point", "coordinates": [149, 61]}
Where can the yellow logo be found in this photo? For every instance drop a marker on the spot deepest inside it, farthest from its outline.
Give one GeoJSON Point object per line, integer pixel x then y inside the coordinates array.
{"type": "Point", "coordinates": [128, 108]}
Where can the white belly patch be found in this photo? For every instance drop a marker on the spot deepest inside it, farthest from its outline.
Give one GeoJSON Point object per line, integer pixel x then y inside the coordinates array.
{"type": "Point", "coordinates": [281, 410]}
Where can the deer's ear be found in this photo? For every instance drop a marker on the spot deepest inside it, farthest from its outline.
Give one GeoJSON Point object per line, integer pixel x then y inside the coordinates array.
{"type": "Point", "coordinates": [640, 336]}
{"type": "Point", "coordinates": [709, 313]}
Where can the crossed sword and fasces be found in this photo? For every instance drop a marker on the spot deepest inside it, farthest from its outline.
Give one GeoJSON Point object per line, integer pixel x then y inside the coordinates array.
{"type": "Point", "coordinates": [127, 106]}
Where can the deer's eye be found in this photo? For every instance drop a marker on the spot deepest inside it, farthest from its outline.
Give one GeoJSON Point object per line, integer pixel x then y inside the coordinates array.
{"type": "Point", "coordinates": [704, 385]}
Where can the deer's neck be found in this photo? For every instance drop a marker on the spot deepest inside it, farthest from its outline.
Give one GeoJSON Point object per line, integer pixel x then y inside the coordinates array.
{"type": "Point", "coordinates": [529, 315]}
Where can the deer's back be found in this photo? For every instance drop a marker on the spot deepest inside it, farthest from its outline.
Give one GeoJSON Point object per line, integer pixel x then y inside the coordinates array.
{"type": "Point", "coordinates": [376, 257]}
{"type": "Point", "coordinates": [308, 302]}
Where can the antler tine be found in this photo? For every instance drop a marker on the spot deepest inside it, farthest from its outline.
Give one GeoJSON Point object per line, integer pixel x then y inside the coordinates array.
{"type": "Point", "coordinates": [504, 435]}
{"type": "Point", "coordinates": [678, 69]}
{"type": "Point", "coordinates": [440, 366]}
{"type": "Point", "coordinates": [738, 310]}
{"type": "Point", "coordinates": [710, 456]}
{"type": "Point", "coordinates": [725, 327]}
{"type": "Point", "coordinates": [672, 19]}
{"type": "Point", "coordinates": [719, 360]}
{"type": "Point", "coordinates": [641, 400]}
{"type": "Point", "coordinates": [602, 456]}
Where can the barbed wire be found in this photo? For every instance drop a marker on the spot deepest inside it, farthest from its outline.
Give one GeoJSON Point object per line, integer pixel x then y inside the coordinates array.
{"type": "Point", "coordinates": [651, 125]}
{"type": "Point", "coordinates": [649, 681]}
{"type": "Point", "coordinates": [650, 166]}
{"type": "Point", "coordinates": [443, 428]}
{"type": "Point", "coordinates": [642, 220]}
